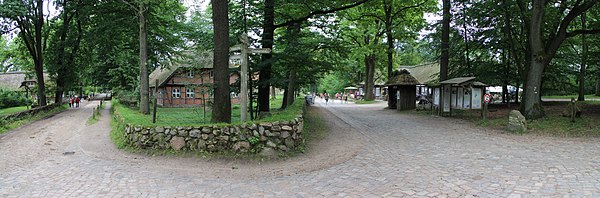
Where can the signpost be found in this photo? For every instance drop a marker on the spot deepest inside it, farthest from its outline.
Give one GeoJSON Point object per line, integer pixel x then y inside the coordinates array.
{"type": "Point", "coordinates": [244, 51]}
{"type": "Point", "coordinates": [487, 98]}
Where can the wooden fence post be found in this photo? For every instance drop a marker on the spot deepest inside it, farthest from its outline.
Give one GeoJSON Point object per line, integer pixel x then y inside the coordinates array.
{"type": "Point", "coordinates": [155, 101]}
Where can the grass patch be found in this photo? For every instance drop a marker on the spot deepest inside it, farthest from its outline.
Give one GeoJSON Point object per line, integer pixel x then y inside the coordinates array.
{"type": "Point", "coordinates": [196, 117]}
{"type": "Point", "coordinates": [12, 110]}
{"type": "Point", "coordinates": [117, 132]}
{"type": "Point", "coordinates": [563, 127]}
{"type": "Point", "coordinates": [591, 96]}
{"type": "Point", "coordinates": [13, 124]}
{"type": "Point", "coordinates": [315, 128]}
{"type": "Point", "coordinates": [364, 101]}
{"type": "Point", "coordinates": [95, 115]}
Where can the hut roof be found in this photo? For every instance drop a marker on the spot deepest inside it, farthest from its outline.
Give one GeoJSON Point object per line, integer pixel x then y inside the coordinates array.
{"type": "Point", "coordinates": [402, 78]}
{"type": "Point", "coordinates": [12, 80]}
{"type": "Point", "coordinates": [463, 81]}
{"type": "Point", "coordinates": [425, 73]}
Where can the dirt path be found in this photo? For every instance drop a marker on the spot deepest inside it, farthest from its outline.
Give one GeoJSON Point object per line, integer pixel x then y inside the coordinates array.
{"type": "Point", "coordinates": [45, 143]}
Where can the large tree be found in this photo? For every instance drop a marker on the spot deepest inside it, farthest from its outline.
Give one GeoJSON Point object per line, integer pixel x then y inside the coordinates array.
{"type": "Point", "coordinates": [222, 102]}
{"type": "Point", "coordinates": [65, 45]}
{"type": "Point", "coordinates": [544, 41]}
{"type": "Point", "coordinates": [28, 17]}
{"type": "Point", "coordinates": [302, 11]}
{"type": "Point", "coordinates": [444, 60]}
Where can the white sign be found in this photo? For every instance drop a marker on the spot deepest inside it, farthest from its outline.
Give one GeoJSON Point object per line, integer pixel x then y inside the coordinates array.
{"type": "Point", "coordinates": [459, 98]}
{"type": "Point", "coordinates": [447, 95]}
{"type": "Point", "coordinates": [476, 98]}
{"type": "Point", "coordinates": [467, 99]}
{"type": "Point", "coordinates": [260, 51]}
{"type": "Point", "coordinates": [436, 96]}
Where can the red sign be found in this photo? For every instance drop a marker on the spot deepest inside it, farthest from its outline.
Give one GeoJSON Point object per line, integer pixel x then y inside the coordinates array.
{"type": "Point", "coordinates": [487, 98]}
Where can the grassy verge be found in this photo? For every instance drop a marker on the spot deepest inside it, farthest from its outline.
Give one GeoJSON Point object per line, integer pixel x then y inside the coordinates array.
{"type": "Point", "coordinates": [95, 115]}
{"type": "Point", "coordinates": [315, 128]}
{"type": "Point", "coordinates": [12, 110]}
{"type": "Point", "coordinates": [572, 96]}
{"type": "Point", "coordinates": [12, 124]}
{"type": "Point", "coordinates": [196, 116]}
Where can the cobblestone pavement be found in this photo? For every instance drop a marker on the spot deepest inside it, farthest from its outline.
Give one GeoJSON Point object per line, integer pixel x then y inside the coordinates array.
{"type": "Point", "coordinates": [397, 155]}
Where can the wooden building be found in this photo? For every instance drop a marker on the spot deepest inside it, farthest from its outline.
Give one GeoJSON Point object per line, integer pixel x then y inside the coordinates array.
{"type": "Point", "coordinates": [405, 86]}
{"type": "Point", "coordinates": [183, 85]}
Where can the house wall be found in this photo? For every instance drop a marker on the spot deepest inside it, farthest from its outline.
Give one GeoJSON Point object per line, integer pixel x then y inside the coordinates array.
{"type": "Point", "coordinates": [181, 81]}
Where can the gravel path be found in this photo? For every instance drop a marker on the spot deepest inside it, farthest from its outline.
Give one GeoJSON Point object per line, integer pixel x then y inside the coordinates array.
{"type": "Point", "coordinates": [370, 152]}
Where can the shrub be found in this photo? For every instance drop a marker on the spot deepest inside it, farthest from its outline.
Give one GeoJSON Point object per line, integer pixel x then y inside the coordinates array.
{"type": "Point", "coordinates": [13, 99]}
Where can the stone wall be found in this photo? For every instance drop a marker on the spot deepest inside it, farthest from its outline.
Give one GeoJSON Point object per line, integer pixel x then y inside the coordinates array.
{"type": "Point", "coordinates": [265, 137]}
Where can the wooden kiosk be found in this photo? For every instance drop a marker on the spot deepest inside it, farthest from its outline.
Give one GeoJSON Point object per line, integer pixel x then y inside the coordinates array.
{"type": "Point", "coordinates": [405, 87]}
{"type": "Point", "coordinates": [458, 93]}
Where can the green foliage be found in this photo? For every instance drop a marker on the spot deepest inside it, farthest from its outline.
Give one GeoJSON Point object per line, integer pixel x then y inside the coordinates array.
{"type": "Point", "coordinates": [253, 140]}
{"type": "Point", "coordinates": [13, 99]}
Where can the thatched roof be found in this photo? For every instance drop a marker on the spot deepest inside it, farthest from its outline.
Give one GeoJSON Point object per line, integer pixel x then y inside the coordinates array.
{"type": "Point", "coordinates": [425, 73]}
{"type": "Point", "coordinates": [12, 80]}
{"type": "Point", "coordinates": [402, 78]}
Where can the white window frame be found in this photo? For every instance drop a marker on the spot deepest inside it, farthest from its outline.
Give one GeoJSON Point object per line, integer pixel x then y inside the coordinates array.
{"type": "Point", "coordinates": [190, 73]}
{"type": "Point", "coordinates": [176, 93]}
{"type": "Point", "coordinates": [190, 93]}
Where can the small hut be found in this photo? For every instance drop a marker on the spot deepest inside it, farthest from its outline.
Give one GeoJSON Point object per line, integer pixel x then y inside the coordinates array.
{"type": "Point", "coordinates": [403, 87]}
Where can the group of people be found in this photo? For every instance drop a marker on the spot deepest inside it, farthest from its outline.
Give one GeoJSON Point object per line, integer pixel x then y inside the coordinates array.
{"type": "Point", "coordinates": [338, 96]}
{"type": "Point", "coordinates": [74, 102]}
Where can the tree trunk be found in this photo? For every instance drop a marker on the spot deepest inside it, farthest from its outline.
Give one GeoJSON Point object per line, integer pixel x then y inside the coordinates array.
{"type": "Point", "coordinates": [144, 82]}
{"type": "Point", "coordinates": [444, 60]}
{"type": "Point", "coordinates": [582, 70]}
{"type": "Point", "coordinates": [39, 62]}
{"type": "Point", "coordinates": [532, 107]}
{"type": "Point", "coordinates": [390, 50]}
{"type": "Point", "coordinates": [467, 59]}
{"type": "Point", "coordinates": [291, 87]}
{"type": "Point", "coordinates": [390, 40]}
{"type": "Point", "coordinates": [369, 82]}
{"type": "Point", "coordinates": [222, 101]}
{"type": "Point", "coordinates": [265, 70]}
{"type": "Point", "coordinates": [284, 104]}
{"type": "Point", "coordinates": [598, 85]}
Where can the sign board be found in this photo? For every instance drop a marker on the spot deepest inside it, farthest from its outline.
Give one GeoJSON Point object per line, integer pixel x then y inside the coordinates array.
{"type": "Point", "coordinates": [235, 48]}
{"type": "Point", "coordinates": [260, 51]}
{"type": "Point", "coordinates": [476, 98]}
{"type": "Point", "coordinates": [436, 96]}
{"type": "Point", "coordinates": [446, 95]}
{"type": "Point", "coordinates": [467, 99]}
{"type": "Point", "coordinates": [459, 98]}
{"type": "Point", "coordinates": [487, 98]}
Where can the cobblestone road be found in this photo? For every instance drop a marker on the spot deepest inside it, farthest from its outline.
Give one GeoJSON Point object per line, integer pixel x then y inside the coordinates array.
{"type": "Point", "coordinates": [397, 155]}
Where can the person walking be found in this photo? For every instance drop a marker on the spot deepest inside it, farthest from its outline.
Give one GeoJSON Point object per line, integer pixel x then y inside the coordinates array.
{"type": "Point", "coordinates": [72, 103]}
{"type": "Point", "coordinates": [346, 98]}
{"type": "Point", "coordinates": [326, 97]}
{"type": "Point", "coordinates": [77, 100]}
